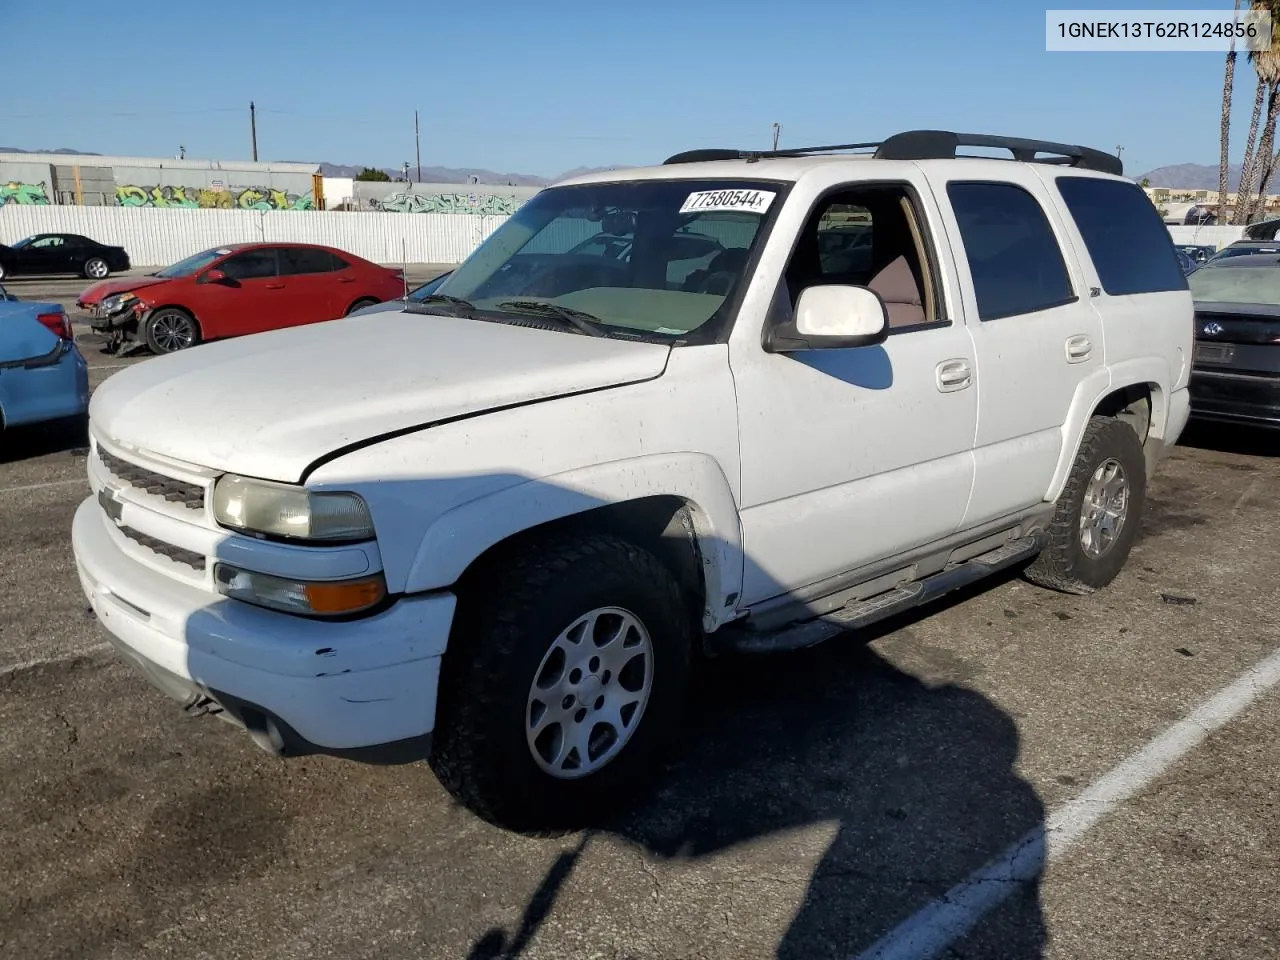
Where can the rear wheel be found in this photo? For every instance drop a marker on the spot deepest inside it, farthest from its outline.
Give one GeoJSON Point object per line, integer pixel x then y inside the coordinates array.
{"type": "Point", "coordinates": [363, 302]}
{"type": "Point", "coordinates": [171, 329]}
{"type": "Point", "coordinates": [95, 268]}
{"type": "Point", "coordinates": [565, 676]}
{"type": "Point", "coordinates": [1096, 519]}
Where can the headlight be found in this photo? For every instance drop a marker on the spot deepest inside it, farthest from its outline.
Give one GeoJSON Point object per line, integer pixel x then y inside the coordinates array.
{"type": "Point", "coordinates": [117, 300]}
{"type": "Point", "coordinates": [284, 510]}
{"type": "Point", "coordinates": [324, 598]}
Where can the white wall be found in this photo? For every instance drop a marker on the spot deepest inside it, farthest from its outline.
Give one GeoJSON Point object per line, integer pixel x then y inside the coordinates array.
{"type": "Point", "coordinates": [1216, 236]}
{"type": "Point", "coordinates": [159, 236]}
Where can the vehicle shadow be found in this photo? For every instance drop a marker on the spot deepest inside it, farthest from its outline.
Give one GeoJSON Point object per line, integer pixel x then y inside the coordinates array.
{"type": "Point", "coordinates": [915, 773]}
{"type": "Point", "coordinates": [912, 771]}
{"type": "Point", "coordinates": [42, 439]}
{"type": "Point", "coordinates": [1231, 438]}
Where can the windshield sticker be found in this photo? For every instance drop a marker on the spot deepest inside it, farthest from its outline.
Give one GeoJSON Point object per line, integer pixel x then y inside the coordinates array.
{"type": "Point", "coordinates": [744, 201]}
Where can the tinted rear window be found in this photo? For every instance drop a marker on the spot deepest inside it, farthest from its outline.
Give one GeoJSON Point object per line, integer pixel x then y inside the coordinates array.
{"type": "Point", "coordinates": [1127, 241]}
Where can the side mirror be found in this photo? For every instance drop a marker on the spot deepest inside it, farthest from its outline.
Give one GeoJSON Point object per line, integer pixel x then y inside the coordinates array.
{"type": "Point", "coordinates": [213, 276]}
{"type": "Point", "coordinates": [832, 318]}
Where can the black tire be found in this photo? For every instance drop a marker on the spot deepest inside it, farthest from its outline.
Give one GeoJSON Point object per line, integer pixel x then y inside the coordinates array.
{"type": "Point", "coordinates": [170, 329]}
{"type": "Point", "coordinates": [95, 268]}
{"type": "Point", "coordinates": [503, 630]}
{"type": "Point", "coordinates": [362, 302]}
{"type": "Point", "coordinates": [1065, 565]}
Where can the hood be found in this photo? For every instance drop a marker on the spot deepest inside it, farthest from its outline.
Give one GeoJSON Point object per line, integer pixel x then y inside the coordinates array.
{"type": "Point", "coordinates": [270, 404]}
{"type": "Point", "coordinates": [104, 288]}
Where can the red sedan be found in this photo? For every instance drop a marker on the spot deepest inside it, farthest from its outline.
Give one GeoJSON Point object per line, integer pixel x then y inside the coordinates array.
{"type": "Point", "coordinates": [237, 289]}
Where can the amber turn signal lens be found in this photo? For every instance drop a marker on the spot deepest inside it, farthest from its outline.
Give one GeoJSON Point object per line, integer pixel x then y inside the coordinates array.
{"type": "Point", "coordinates": [346, 597]}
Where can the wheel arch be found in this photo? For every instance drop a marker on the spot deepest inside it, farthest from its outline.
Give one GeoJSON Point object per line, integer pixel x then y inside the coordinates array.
{"type": "Point", "coordinates": [1137, 396]}
{"type": "Point", "coordinates": [678, 506]}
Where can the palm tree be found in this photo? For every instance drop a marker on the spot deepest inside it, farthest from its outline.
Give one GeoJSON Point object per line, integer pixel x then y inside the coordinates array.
{"type": "Point", "coordinates": [1260, 166]}
{"type": "Point", "coordinates": [1227, 83]}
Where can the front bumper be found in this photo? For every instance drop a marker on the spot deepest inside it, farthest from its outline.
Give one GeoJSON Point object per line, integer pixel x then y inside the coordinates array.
{"type": "Point", "coordinates": [365, 688]}
{"type": "Point", "coordinates": [1248, 399]}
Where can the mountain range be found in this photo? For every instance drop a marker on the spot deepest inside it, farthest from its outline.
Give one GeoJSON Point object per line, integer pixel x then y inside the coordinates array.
{"type": "Point", "coordinates": [1188, 176]}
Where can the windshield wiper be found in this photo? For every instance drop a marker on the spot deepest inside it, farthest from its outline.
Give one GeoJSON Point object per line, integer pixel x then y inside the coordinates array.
{"type": "Point", "coordinates": [466, 307]}
{"type": "Point", "coordinates": [578, 318]}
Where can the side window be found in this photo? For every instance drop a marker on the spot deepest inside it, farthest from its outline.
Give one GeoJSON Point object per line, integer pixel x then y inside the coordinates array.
{"type": "Point", "coordinates": [47, 243]}
{"type": "Point", "coordinates": [295, 260]}
{"type": "Point", "coordinates": [250, 265]}
{"type": "Point", "coordinates": [1013, 255]}
{"type": "Point", "coordinates": [336, 263]}
{"type": "Point", "coordinates": [869, 237]}
{"type": "Point", "coordinates": [1127, 241]}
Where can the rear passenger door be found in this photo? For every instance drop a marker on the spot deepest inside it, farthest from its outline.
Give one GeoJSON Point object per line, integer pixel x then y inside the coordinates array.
{"type": "Point", "coordinates": [1036, 335]}
{"type": "Point", "coordinates": [311, 285]}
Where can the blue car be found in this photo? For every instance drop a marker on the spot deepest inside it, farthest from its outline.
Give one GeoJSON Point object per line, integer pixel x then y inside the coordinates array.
{"type": "Point", "coordinates": [43, 375]}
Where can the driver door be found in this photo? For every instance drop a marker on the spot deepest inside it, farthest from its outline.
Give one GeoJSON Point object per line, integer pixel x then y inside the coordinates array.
{"type": "Point", "coordinates": [250, 300]}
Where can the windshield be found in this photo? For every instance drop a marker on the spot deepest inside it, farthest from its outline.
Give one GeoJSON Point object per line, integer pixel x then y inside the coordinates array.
{"type": "Point", "coordinates": [654, 257]}
{"type": "Point", "coordinates": [1231, 284]}
{"type": "Point", "coordinates": [24, 242]}
{"type": "Point", "coordinates": [428, 288]}
{"type": "Point", "coordinates": [184, 268]}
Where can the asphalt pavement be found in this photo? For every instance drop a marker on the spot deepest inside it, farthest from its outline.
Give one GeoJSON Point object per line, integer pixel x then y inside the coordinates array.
{"type": "Point", "coordinates": [816, 802]}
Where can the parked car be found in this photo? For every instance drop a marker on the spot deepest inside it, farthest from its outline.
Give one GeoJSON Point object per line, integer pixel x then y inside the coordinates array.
{"type": "Point", "coordinates": [500, 538]}
{"type": "Point", "coordinates": [1186, 263]}
{"type": "Point", "coordinates": [43, 375]}
{"type": "Point", "coordinates": [417, 295]}
{"type": "Point", "coordinates": [1235, 376]}
{"type": "Point", "coordinates": [1199, 252]}
{"type": "Point", "coordinates": [54, 253]}
{"type": "Point", "coordinates": [1244, 248]}
{"type": "Point", "coordinates": [235, 290]}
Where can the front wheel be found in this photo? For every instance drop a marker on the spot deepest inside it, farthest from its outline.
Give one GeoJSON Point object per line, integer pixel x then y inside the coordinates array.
{"type": "Point", "coordinates": [95, 268]}
{"type": "Point", "coordinates": [171, 329]}
{"type": "Point", "coordinates": [1096, 519]}
{"type": "Point", "coordinates": [565, 676]}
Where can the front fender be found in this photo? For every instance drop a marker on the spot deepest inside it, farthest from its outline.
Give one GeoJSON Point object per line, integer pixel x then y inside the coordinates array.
{"type": "Point", "coordinates": [460, 535]}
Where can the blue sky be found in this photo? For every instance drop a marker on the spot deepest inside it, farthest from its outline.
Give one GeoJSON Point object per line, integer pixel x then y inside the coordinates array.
{"type": "Point", "coordinates": [541, 88]}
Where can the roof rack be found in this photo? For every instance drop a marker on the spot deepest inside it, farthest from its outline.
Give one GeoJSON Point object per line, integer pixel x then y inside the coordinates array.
{"type": "Point", "coordinates": [933, 145]}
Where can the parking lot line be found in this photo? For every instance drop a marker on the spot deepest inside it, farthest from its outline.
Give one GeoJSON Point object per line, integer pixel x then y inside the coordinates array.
{"type": "Point", "coordinates": [40, 486]}
{"type": "Point", "coordinates": [949, 918]}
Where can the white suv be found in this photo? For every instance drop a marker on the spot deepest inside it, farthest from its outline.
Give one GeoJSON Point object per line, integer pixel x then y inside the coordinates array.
{"type": "Point", "coordinates": [495, 529]}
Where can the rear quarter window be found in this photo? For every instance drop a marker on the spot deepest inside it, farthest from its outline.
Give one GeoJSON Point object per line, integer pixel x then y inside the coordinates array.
{"type": "Point", "coordinates": [1127, 241]}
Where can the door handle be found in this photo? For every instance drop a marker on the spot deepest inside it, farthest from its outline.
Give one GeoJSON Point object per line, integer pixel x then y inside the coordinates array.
{"type": "Point", "coordinates": [1079, 348]}
{"type": "Point", "coordinates": [346, 279]}
{"type": "Point", "coordinates": [954, 375]}
{"type": "Point", "coordinates": [275, 286]}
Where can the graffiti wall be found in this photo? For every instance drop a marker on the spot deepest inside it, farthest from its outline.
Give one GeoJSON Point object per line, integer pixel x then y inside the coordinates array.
{"type": "Point", "coordinates": [27, 194]}
{"type": "Point", "coordinates": [237, 198]}
{"type": "Point", "coordinates": [478, 204]}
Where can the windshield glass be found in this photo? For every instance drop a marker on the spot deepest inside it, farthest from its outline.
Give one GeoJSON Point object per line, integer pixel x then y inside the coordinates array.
{"type": "Point", "coordinates": [428, 288]}
{"type": "Point", "coordinates": [24, 242]}
{"type": "Point", "coordinates": [658, 257]}
{"type": "Point", "coordinates": [1231, 284]}
{"type": "Point", "coordinates": [184, 268]}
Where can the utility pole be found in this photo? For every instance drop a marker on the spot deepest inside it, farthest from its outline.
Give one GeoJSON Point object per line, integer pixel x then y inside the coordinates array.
{"type": "Point", "coordinates": [253, 130]}
{"type": "Point", "coordinates": [417, 144]}
{"type": "Point", "coordinates": [777, 129]}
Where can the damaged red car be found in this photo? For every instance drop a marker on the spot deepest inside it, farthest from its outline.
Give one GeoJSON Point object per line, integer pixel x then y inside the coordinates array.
{"type": "Point", "coordinates": [234, 290]}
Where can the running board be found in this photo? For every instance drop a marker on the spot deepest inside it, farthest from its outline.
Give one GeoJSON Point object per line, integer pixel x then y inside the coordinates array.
{"type": "Point", "coordinates": [862, 613]}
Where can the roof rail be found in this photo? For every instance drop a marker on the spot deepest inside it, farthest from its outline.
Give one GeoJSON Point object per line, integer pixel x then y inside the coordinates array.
{"type": "Point", "coordinates": [934, 145]}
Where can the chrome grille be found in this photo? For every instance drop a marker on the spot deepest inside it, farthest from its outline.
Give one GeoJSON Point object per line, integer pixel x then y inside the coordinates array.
{"type": "Point", "coordinates": [175, 491]}
{"type": "Point", "coordinates": [192, 559]}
